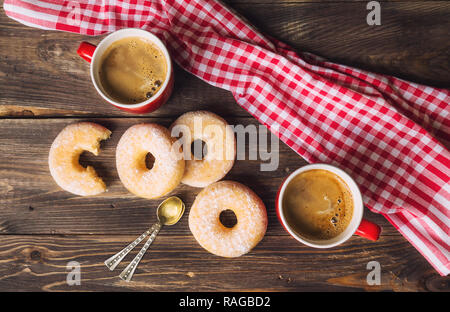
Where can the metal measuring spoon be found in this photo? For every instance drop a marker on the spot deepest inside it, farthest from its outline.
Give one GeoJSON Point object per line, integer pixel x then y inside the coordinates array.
{"type": "Point", "coordinates": [169, 212]}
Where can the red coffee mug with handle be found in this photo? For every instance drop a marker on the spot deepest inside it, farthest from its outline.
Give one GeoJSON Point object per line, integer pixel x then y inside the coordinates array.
{"type": "Point", "coordinates": [357, 225]}
{"type": "Point", "coordinates": [93, 55]}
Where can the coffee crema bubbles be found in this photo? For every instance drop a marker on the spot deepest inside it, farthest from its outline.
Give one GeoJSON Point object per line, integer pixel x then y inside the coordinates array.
{"type": "Point", "coordinates": [132, 70]}
{"type": "Point", "coordinates": [318, 204]}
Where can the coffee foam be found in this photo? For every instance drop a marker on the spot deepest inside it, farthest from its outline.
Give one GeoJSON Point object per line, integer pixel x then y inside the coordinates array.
{"type": "Point", "coordinates": [318, 204]}
{"type": "Point", "coordinates": [132, 70]}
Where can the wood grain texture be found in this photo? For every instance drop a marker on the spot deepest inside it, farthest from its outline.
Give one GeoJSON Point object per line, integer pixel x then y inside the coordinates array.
{"type": "Point", "coordinates": [178, 263]}
{"type": "Point", "coordinates": [412, 43]}
{"type": "Point", "coordinates": [44, 86]}
{"type": "Point", "coordinates": [32, 203]}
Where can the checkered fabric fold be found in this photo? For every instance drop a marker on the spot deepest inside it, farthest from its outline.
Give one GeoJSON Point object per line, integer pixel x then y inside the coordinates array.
{"type": "Point", "coordinates": [387, 133]}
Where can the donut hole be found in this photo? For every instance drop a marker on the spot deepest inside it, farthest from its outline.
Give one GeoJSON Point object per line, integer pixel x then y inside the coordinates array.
{"type": "Point", "coordinates": [86, 159]}
{"type": "Point", "coordinates": [199, 149]}
{"type": "Point", "coordinates": [149, 161]}
{"type": "Point", "coordinates": [228, 218]}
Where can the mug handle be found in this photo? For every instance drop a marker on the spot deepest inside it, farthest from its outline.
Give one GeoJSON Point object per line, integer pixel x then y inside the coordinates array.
{"type": "Point", "coordinates": [86, 50]}
{"type": "Point", "coordinates": [368, 230]}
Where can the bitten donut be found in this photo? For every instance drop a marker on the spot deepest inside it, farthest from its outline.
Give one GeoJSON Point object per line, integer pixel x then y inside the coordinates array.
{"type": "Point", "coordinates": [212, 235]}
{"type": "Point", "coordinates": [220, 145]}
{"type": "Point", "coordinates": [65, 153]}
{"type": "Point", "coordinates": [167, 170]}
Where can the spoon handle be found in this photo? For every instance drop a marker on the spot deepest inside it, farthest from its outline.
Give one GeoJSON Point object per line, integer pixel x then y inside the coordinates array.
{"type": "Point", "coordinates": [128, 272]}
{"type": "Point", "coordinates": [113, 261]}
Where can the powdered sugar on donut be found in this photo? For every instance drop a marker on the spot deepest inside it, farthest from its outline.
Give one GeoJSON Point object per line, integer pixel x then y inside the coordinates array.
{"type": "Point", "coordinates": [220, 142]}
{"type": "Point", "coordinates": [212, 235]}
{"type": "Point", "coordinates": [64, 155]}
{"type": "Point", "coordinates": [131, 151]}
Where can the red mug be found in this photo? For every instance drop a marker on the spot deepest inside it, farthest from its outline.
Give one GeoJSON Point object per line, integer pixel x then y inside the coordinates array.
{"type": "Point", "coordinates": [357, 225]}
{"type": "Point", "coordinates": [93, 54]}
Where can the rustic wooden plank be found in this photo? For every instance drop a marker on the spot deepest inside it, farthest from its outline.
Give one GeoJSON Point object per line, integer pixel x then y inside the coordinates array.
{"type": "Point", "coordinates": [31, 202]}
{"type": "Point", "coordinates": [178, 263]}
{"type": "Point", "coordinates": [411, 43]}
{"type": "Point", "coordinates": [38, 67]}
{"type": "Point", "coordinates": [41, 75]}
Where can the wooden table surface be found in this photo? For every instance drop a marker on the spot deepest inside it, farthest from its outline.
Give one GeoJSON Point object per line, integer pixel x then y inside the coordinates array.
{"type": "Point", "coordinates": [44, 86]}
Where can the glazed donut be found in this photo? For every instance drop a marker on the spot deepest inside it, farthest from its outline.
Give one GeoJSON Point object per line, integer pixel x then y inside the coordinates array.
{"type": "Point", "coordinates": [167, 170]}
{"type": "Point", "coordinates": [220, 143]}
{"type": "Point", "coordinates": [212, 235]}
{"type": "Point", "coordinates": [65, 153]}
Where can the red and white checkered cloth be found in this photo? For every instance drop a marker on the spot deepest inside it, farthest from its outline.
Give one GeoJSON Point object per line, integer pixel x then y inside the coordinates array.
{"type": "Point", "coordinates": [389, 134]}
